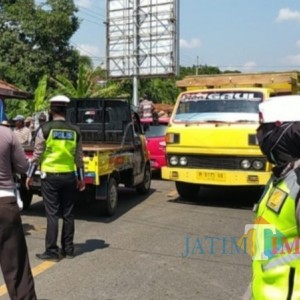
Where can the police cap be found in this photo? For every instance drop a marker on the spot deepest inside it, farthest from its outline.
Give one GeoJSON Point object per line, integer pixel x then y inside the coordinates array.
{"type": "Point", "coordinates": [59, 100]}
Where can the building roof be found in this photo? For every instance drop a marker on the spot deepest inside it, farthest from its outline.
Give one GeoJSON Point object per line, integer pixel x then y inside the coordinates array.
{"type": "Point", "coordinates": [10, 91]}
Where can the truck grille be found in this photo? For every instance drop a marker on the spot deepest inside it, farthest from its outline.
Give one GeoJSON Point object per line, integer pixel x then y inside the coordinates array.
{"type": "Point", "coordinates": [217, 162]}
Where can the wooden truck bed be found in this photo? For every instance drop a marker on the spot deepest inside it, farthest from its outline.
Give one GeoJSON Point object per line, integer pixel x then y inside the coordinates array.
{"type": "Point", "coordinates": [100, 147]}
{"type": "Point", "coordinates": [280, 82]}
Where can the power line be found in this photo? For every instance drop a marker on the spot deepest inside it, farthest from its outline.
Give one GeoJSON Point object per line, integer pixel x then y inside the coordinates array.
{"type": "Point", "coordinates": [89, 54]}
{"type": "Point", "coordinates": [90, 21]}
{"type": "Point", "coordinates": [92, 13]}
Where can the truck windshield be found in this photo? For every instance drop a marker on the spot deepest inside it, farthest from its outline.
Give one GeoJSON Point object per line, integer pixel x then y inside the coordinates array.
{"type": "Point", "coordinates": [156, 130]}
{"type": "Point", "coordinates": [237, 106]}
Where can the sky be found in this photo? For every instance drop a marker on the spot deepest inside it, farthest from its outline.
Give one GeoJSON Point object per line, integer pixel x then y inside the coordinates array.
{"type": "Point", "coordinates": [249, 36]}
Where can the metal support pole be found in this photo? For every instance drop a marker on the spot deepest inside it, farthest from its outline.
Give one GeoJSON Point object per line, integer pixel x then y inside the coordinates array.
{"type": "Point", "coordinates": [136, 53]}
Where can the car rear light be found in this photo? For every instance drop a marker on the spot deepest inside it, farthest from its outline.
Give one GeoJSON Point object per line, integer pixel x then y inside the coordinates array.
{"type": "Point", "coordinates": [162, 144]}
{"type": "Point", "coordinates": [28, 154]}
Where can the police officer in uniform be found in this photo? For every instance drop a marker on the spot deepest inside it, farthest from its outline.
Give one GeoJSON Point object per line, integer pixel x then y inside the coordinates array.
{"type": "Point", "coordinates": [276, 268]}
{"type": "Point", "coordinates": [14, 258]}
{"type": "Point", "coordinates": [58, 151]}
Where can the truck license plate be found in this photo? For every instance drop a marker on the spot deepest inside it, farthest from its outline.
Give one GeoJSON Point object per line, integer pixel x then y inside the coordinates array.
{"type": "Point", "coordinates": [211, 176]}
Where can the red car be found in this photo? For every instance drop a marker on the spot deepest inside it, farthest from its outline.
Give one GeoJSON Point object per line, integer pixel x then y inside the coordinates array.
{"type": "Point", "coordinates": [155, 135]}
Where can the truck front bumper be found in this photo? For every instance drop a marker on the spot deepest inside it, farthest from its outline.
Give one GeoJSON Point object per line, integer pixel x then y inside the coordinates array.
{"type": "Point", "coordinates": [213, 177]}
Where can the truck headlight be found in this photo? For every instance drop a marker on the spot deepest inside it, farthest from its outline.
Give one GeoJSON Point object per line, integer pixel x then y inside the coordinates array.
{"type": "Point", "coordinates": [172, 138]}
{"type": "Point", "coordinates": [183, 161]}
{"type": "Point", "coordinates": [245, 164]}
{"type": "Point", "coordinates": [174, 160]}
{"type": "Point", "coordinates": [257, 165]}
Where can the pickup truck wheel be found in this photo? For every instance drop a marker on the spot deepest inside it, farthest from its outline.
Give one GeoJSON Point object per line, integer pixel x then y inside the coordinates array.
{"type": "Point", "coordinates": [109, 206]}
{"type": "Point", "coordinates": [144, 187]}
{"type": "Point", "coordinates": [26, 197]}
{"type": "Point", "coordinates": [187, 190]}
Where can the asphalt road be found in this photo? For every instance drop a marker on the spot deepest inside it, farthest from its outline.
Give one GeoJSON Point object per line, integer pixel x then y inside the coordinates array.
{"type": "Point", "coordinates": [156, 247]}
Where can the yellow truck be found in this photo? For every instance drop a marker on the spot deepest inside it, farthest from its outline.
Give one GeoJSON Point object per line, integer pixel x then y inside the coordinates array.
{"type": "Point", "coordinates": [211, 138]}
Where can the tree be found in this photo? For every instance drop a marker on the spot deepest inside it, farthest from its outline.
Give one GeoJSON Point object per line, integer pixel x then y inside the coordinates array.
{"type": "Point", "coordinates": [83, 86]}
{"type": "Point", "coordinates": [86, 85]}
{"type": "Point", "coordinates": [34, 40]}
{"type": "Point", "coordinates": [40, 95]}
{"type": "Point", "coordinates": [86, 60]}
{"type": "Point", "coordinates": [202, 70]}
{"type": "Point", "coordinates": [205, 69]}
{"type": "Point", "coordinates": [18, 107]}
{"type": "Point", "coordinates": [160, 90]}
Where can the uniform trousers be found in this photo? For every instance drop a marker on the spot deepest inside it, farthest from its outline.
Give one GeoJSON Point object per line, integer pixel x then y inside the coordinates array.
{"type": "Point", "coordinates": [14, 259]}
{"type": "Point", "coordinates": [59, 193]}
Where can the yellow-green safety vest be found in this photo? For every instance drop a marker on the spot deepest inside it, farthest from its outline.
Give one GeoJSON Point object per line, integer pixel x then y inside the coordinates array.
{"type": "Point", "coordinates": [60, 151]}
{"type": "Point", "coordinates": [276, 265]}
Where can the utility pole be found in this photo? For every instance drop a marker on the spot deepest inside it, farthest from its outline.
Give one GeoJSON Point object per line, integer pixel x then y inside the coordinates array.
{"type": "Point", "coordinates": [136, 53]}
{"type": "Point", "coordinates": [197, 65]}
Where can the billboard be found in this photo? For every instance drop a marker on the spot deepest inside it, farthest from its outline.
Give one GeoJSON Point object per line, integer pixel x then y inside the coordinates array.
{"type": "Point", "coordinates": [142, 38]}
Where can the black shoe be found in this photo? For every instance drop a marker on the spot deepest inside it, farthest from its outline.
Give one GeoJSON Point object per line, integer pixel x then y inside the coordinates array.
{"type": "Point", "coordinates": [68, 255]}
{"type": "Point", "coordinates": [48, 256]}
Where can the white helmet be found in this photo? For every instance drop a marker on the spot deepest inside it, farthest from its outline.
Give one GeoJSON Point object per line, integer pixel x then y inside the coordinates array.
{"type": "Point", "coordinates": [60, 100]}
{"type": "Point", "coordinates": [280, 109]}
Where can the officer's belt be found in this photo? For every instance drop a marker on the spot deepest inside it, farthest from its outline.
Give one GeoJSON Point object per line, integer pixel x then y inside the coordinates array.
{"type": "Point", "coordinates": [60, 174]}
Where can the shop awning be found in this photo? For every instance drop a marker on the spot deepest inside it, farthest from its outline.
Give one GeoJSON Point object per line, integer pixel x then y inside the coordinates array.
{"type": "Point", "coordinates": [10, 91]}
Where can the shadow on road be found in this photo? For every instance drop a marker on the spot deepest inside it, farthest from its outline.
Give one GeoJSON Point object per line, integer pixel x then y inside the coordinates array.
{"type": "Point", "coordinates": [90, 246]}
{"type": "Point", "coordinates": [27, 228]}
{"type": "Point", "coordinates": [128, 199]}
{"type": "Point", "coordinates": [91, 211]}
{"type": "Point", "coordinates": [230, 197]}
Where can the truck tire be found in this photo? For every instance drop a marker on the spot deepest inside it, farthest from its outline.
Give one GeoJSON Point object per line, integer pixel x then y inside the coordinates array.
{"type": "Point", "coordinates": [26, 197]}
{"type": "Point", "coordinates": [187, 190]}
{"type": "Point", "coordinates": [144, 187]}
{"type": "Point", "coordinates": [109, 206]}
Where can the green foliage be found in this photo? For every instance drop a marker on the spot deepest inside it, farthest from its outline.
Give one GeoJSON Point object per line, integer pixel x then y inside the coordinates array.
{"type": "Point", "coordinates": [160, 90]}
{"type": "Point", "coordinates": [204, 69]}
{"type": "Point", "coordinates": [232, 71]}
{"type": "Point", "coordinates": [112, 90]}
{"type": "Point", "coordinates": [185, 71]}
{"type": "Point", "coordinates": [86, 61]}
{"type": "Point", "coordinates": [34, 40]}
{"type": "Point", "coordinates": [15, 107]}
{"type": "Point", "coordinates": [83, 87]}
{"type": "Point", "coordinates": [40, 95]}
{"type": "Point", "coordinates": [86, 85]}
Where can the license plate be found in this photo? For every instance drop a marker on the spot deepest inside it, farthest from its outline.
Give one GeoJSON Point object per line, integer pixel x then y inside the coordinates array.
{"type": "Point", "coordinates": [211, 176]}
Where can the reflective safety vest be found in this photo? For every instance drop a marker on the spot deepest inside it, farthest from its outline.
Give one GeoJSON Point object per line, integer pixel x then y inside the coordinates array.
{"type": "Point", "coordinates": [276, 263]}
{"type": "Point", "coordinates": [60, 149]}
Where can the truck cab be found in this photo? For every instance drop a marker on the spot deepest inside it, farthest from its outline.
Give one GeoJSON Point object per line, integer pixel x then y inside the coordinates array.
{"type": "Point", "coordinates": [211, 137]}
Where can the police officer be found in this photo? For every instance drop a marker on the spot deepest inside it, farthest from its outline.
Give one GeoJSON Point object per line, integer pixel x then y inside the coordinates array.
{"type": "Point", "coordinates": [14, 259]}
{"type": "Point", "coordinates": [58, 150]}
{"type": "Point", "coordinates": [276, 268]}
